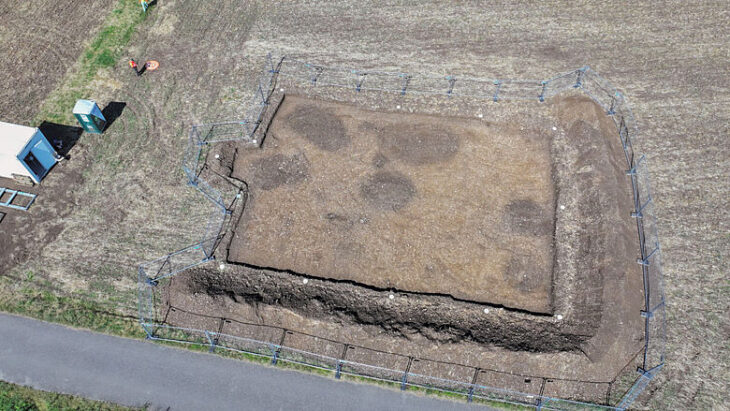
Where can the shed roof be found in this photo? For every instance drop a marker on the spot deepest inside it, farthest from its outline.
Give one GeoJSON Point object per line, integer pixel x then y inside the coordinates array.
{"type": "Point", "coordinates": [14, 137]}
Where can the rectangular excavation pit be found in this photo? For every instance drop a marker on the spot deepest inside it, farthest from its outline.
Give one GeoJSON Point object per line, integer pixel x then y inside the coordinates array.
{"type": "Point", "coordinates": [285, 222]}
{"type": "Point", "coordinates": [416, 203]}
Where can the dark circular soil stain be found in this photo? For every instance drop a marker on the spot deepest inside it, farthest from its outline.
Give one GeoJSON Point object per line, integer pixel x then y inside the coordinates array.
{"type": "Point", "coordinates": [527, 217]}
{"type": "Point", "coordinates": [419, 144]}
{"type": "Point", "coordinates": [379, 160]}
{"type": "Point", "coordinates": [277, 170]}
{"type": "Point", "coordinates": [523, 274]}
{"type": "Point", "coordinates": [320, 127]}
{"type": "Point", "coordinates": [388, 190]}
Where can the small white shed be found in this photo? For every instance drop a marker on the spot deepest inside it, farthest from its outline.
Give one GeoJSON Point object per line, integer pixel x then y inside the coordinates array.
{"type": "Point", "coordinates": [25, 151]}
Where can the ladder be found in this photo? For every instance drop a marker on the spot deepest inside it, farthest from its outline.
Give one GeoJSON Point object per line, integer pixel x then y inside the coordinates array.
{"type": "Point", "coordinates": [15, 195]}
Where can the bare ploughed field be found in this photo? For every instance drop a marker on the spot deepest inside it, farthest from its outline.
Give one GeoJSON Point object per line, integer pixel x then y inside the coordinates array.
{"type": "Point", "coordinates": [670, 62]}
{"type": "Point", "coordinates": [401, 201]}
{"type": "Point", "coordinates": [39, 42]}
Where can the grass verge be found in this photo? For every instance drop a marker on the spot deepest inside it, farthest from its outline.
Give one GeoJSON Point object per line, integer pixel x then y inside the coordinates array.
{"type": "Point", "coordinates": [75, 312]}
{"type": "Point", "coordinates": [18, 398]}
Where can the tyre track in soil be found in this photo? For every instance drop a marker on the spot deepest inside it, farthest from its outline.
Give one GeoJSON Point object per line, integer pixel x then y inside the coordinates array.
{"type": "Point", "coordinates": [148, 111]}
{"type": "Point", "coordinates": [210, 96]}
{"type": "Point", "coordinates": [210, 19]}
{"type": "Point", "coordinates": [147, 115]}
{"type": "Point", "coordinates": [144, 121]}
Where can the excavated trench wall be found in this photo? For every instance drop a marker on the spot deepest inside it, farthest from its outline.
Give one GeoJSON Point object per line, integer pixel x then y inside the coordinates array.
{"type": "Point", "coordinates": [591, 242]}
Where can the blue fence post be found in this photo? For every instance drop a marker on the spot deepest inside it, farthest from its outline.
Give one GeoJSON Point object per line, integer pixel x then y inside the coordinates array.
{"type": "Point", "coordinates": [404, 380]}
{"type": "Point", "coordinates": [473, 384]}
{"type": "Point", "coordinates": [498, 85]}
{"type": "Point", "coordinates": [645, 261]}
{"type": "Point", "coordinates": [274, 354]}
{"type": "Point", "coordinates": [452, 81]}
{"type": "Point", "coordinates": [612, 110]}
{"type": "Point", "coordinates": [404, 83]}
{"type": "Point", "coordinates": [317, 72]}
{"type": "Point", "coordinates": [579, 80]}
{"type": "Point", "coordinates": [211, 341]}
{"type": "Point", "coordinates": [542, 93]}
{"type": "Point", "coordinates": [338, 370]}
{"type": "Point", "coordinates": [148, 334]}
{"type": "Point", "coordinates": [273, 69]}
{"type": "Point", "coordinates": [360, 80]}
{"type": "Point", "coordinates": [638, 213]}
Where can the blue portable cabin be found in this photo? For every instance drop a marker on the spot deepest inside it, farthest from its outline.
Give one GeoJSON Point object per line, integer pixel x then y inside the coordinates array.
{"type": "Point", "coordinates": [25, 152]}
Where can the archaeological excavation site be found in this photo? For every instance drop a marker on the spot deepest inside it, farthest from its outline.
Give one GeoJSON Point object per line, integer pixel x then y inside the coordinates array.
{"type": "Point", "coordinates": [473, 237]}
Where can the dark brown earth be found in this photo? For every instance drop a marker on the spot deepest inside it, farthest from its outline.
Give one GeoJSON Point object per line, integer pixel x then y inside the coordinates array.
{"type": "Point", "coordinates": [25, 233]}
{"type": "Point", "coordinates": [396, 201]}
{"type": "Point", "coordinates": [595, 288]}
{"type": "Point", "coordinates": [387, 190]}
{"type": "Point", "coordinates": [277, 170]}
{"type": "Point", "coordinates": [669, 61]}
{"type": "Point", "coordinates": [321, 127]}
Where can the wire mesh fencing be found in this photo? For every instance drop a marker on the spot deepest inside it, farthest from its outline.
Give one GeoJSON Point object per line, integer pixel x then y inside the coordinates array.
{"type": "Point", "coordinates": [409, 83]}
{"type": "Point", "coordinates": [201, 137]}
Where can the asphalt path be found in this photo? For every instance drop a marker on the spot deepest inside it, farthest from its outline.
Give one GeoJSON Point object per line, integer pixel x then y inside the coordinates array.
{"type": "Point", "coordinates": [55, 358]}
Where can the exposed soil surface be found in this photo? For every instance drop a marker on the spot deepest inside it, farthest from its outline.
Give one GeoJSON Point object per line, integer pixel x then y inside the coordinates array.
{"type": "Point", "coordinates": [39, 42]}
{"type": "Point", "coordinates": [25, 233]}
{"type": "Point", "coordinates": [417, 203]}
{"type": "Point", "coordinates": [593, 286]}
{"type": "Point", "coordinates": [671, 62]}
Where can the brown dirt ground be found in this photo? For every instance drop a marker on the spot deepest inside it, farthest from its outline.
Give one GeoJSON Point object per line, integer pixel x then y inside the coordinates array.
{"type": "Point", "coordinates": [39, 42]}
{"type": "Point", "coordinates": [581, 354]}
{"type": "Point", "coordinates": [416, 203]}
{"type": "Point", "coordinates": [670, 61]}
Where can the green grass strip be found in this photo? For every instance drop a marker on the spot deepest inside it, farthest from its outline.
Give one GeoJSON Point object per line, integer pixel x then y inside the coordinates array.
{"type": "Point", "coordinates": [75, 312]}
{"type": "Point", "coordinates": [18, 398]}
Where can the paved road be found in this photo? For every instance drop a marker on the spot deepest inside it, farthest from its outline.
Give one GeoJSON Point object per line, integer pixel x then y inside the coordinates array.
{"type": "Point", "coordinates": [56, 358]}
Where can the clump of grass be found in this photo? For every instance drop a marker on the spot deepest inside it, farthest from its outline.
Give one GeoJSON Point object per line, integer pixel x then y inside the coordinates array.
{"type": "Point", "coordinates": [104, 51]}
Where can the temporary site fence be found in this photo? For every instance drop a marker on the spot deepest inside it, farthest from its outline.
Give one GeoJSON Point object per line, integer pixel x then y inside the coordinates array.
{"type": "Point", "coordinates": [244, 131]}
